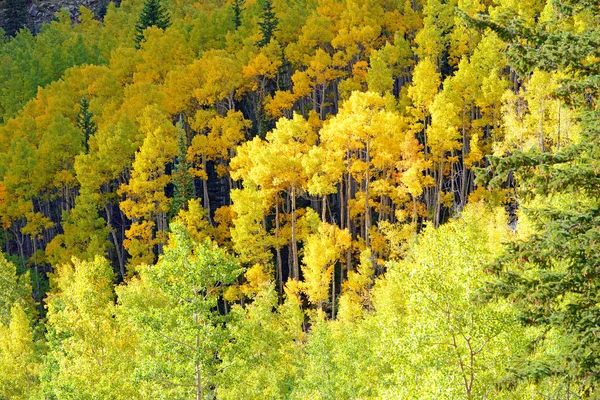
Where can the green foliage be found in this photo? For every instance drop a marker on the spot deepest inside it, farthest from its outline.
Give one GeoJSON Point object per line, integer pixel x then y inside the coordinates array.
{"type": "Point", "coordinates": [174, 309]}
{"type": "Point", "coordinates": [14, 289]}
{"type": "Point", "coordinates": [19, 357]}
{"type": "Point", "coordinates": [268, 23]}
{"type": "Point", "coordinates": [15, 16]}
{"type": "Point", "coordinates": [551, 275]}
{"type": "Point", "coordinates": [389, 108]}
{"type": "Point", "coordinates": [183, 182]}
{"type": "Point", "coordinates": [339, 363]}
{"type": "Point", "coordinates": [237, 12]}
{"type": "Point", "coordinates": [153, 14]}
{"type": "Point", "coordinates": [85, 122]}
{"type": "Point", "coordinates": [89, 351]}
{"type": "Point", "coordinates": [260, 360]}
{"type": "Point", "coordinates": [449, 344]}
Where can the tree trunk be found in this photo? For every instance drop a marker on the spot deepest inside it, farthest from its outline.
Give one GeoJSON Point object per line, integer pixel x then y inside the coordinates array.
{"type": "Point", "coordinates": [296, 268]}
{"type": "Point", "coordinates": [367, 210]}
{"type": "Point", "coordinates": [438, 197]}
{"type": "Point", "coordinates": [206, 199]}
{"type": "Point", "coordinates": [278, 249]}
{"type": "Point", "coordinates": [115, 241]}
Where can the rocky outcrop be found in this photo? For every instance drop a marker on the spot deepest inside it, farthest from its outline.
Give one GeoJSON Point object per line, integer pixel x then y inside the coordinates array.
{"type": "Point", "coordinates": [43, 11]}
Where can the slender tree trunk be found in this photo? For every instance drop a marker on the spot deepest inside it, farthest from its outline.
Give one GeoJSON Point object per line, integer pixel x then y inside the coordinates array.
{"type": "Point", "coordinates": [296, 268]}
{"type": "Point", "coordinates": [20, 244]}
{"type": "Point", "coordinates": [278, 248]}
{"type": "Point", "coordinates": [7, 242]}
{"type": "Point", "coordinates": [438, 197]}
{"type": "Point", "coordinates": [115, 242]}
{"type": "Point", "coordinates": [161, 223]}
{"type": "Point", "coordinates": [427, 190]}
{"type": "Point", "coordinates": [333, 293]}
{"type": "Point", "coordinates": [367, 209]}
{"type": "Point", "coordinates": [542, 144]}
{"type": "Point", "coordinates": [199, 389]}
{"type": "Point", "coordinates": [206, 199]}
{"type": "Point", "coordinates": [321, 109]}
{"type": "Point", "coordinates": [341, 203]}
{"type": "Point", "coordinates": [558, 137]}
{"type": "Point", "coordinates": [348, 226]}
{"type": "Point", "coordinates": [463, 182]}
{"type": "Point", "coordinates": [37, 278]}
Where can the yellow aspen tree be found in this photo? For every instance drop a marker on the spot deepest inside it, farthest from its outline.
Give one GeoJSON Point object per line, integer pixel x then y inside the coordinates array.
{"type": "Point", "coordinates": [91, 350]}
{"type": "Point", "coordinates": [146, 203]}
{"type": "Point", "coordinates": [356, 295]}
{"type": "Point", "coordinates": [358, 32]}
{"type": "Point", "coordinates": [324, 171]}
{"type": "Point", "coordinates": [444, 139]}
{"type": "Point", "coordinates": [194, 220]}
{"type": "Point", "coordinates": [289, 144]}
{"type": "Point", "coordinates": [433, 39]}
{"type": "Point", "coordinates": [260, 71]}
{"type": "Point", "coordinates": [425, 85]}
{"type": "Point", "coordinates": [379, 77]}
{"type": "Point", "coordinates": [220, 76]}
{"type": "Point", "coordinates": [216, 141]}
{"type": "Point", "coordinates": [249, 236]}
{"type": "Point", "coordinates": [277, 165]}
{"type": "Point", "coordinates": [359, 135]}
{"type": "Point", "coordinates": [322, 251]}
{"type": "Point", "coordinates": [160, 53]}
{"type": "Point", "coordinates": [19, 360]}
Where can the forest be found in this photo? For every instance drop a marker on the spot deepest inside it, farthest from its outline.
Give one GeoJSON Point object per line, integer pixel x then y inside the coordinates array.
{"type": "Point", "coordinates": [301, 199]}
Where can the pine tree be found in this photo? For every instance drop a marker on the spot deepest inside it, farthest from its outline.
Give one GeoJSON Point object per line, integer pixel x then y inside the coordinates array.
{"type": "Point", "coordinates": [183, 184]}
{"type": "Point", "coordinates": [553, 276]}
{"type": "Point", "coordinates": [85, 122]}
{"type": "Point", "coordinates": [153, 14]}
{"type": "Point", "coordinates": [268, 23]}
{"type": "Point", "coordinates": [237, 13]}
{"type": "Point", "coordinates": [102, 8]}
{"type": "Point", "coordinates": [15, 16]}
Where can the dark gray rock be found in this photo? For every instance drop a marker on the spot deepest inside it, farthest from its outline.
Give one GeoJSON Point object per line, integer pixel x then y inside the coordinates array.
{"type": "Point", "coordinates": [41, 12]}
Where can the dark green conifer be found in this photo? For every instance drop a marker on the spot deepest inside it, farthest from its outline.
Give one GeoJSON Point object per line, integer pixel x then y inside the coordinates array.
{"type": "Point", "coordinates": [85, 122]}
{"type": "Point", "coordinates": [237, 13]}
{"type": "Point", "coordinates": [15, 16]}
{"type": "Point", "coordinates": [268, 23]}
{"type": "Point", "coordinates": [153, 14]}
{"type": "Point", "coordinates": [183, 182]}
{"type": "Point", "coordinates": [102, 8]}
{"type": "Point", "coordinates": [553, 277]}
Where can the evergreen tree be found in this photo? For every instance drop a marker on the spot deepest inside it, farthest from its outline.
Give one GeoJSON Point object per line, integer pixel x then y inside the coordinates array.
{"type": "Point", "coordinates": [183, 183]}
{"type": "Point", "coordinates": [237, 12]}
{"type": "Point", "coordinates": [15, 16]}
{"type": "Point", "coordinates": [85, 122]}
{"type": "Point", "coordinates": [153, 14]}
{"type": "Point", "coordinates": [553, 276]}
{"type": "Point", "coordinates": [102, 8]}
{"type": "Point", "coordinates": [268, 23]}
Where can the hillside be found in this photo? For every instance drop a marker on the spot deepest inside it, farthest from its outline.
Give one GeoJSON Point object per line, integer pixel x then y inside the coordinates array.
{"type": "Point", "coordinates": [302, 199]}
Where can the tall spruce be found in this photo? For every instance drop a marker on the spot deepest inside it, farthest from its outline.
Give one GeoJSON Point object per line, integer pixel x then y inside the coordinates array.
{"type": "Point", "coordinates": [553, 276]}
{"type": "Point", "coordinates": [85, 122]}
{"type": "Point", "coordinates": [268, 23]}
{"type": "Point", "coordinates": [183, 182]}
{"type": "Point", "coordinates": [15, 16]}
{"type": "Point", "coordinates": [153, 14]}
{"type": "Point", "coordinates": [102, 8]}
{"type": "Point", "coordinates": [237, 13]}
